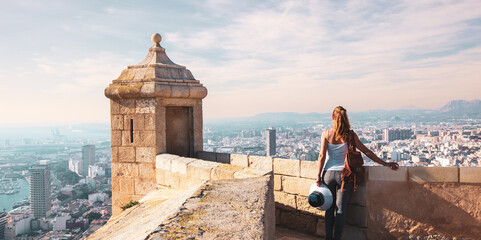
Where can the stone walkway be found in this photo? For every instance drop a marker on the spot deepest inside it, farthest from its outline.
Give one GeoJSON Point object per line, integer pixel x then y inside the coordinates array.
{"type": "Point", "coordinates": [287, 234]}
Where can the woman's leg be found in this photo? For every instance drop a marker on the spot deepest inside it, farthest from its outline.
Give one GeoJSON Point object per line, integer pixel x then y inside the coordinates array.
{"type": "Point", "coordinates": [341, 205]}
{"type": "Point", "coordinates": [330, 181]}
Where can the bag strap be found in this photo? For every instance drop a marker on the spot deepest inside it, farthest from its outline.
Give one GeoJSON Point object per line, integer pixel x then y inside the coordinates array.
{"type": "Point", "coordinates": [351, 141]}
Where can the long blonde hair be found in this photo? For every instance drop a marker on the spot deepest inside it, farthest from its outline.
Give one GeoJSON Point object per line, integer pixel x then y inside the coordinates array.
{"type": "Point", "coordinates": [341, 123]}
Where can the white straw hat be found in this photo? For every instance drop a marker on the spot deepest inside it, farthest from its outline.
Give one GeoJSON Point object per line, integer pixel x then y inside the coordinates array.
{"type": "Point", "coordinates": [320, 197]}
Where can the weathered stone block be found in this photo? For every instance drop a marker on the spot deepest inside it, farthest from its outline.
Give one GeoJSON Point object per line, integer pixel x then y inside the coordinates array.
{"type": "Point", "coordinates": [296, 185]}
{"type": "Point", "coordinates": [115, 185]}
{"type": "Point", "coordinates": [119, 200]}
{"type": "Point", "coordinates": [126, 154]}
{"type": "Point", "coordinates": [289, 167]}
{"type": "Point", "coordinates": [179, 165]}
{"type": "Point", "coordinates": [381, 173]}
{"type": "Point", "coordinates": [126, 185]}
{"type": "Point", "coordinates": [128, 140]}
{"type": "Point", "coordinates": [147, 138]}
{"type": "Point", "coordinates": [160, 141]}
{"type": "Point", "coordinates": [201, 169]}
{"type": "Point", "coordinates": [198, 137]}
{"type": "Point", "coordinates": [277, 182]}
{"type": "Point", "coordinates": [145, 106]}
{"type": "Point", "coordinates": [224, 171]}
{"type": "Point", "coordinates": [239, 160]}
{"type": "Point", "coordinates": [309, 169]}
{"type": "Point", "coordinates": [359, 196]}
{"type": "Point", "coordinates": [114, 107]}
{"type": "Point", "coordinates": [245, 173]}
{"type": "Point", "coordinates": [160, 176]}
{"type": "Point", "coordinates": [149, 122]}
{"type": "Point", "coordinates": [470, 174]}
{"type": "Point", "coordinates": [187, 183]}
{"type": "Point", "coordinates": [354, 233]}
{"type": "Point", "coordinates": [135, 121]}
{"type": "Point", "coordinates": [321, 227]}
{"type": "Point", "coordinates": [145, 154]}
{"type": "Point", "coordinates": [139, 122]}
{"type": "Point", "coordinates": [114, 154]}
{"type": "Point", "coordinates": [223, 158]}
{"type": "Point", "coordinates": [146, 170]}
{"type": "Point", "coordinates": [208, 156]}
{"type": "Point", "coordinates": [125, 198]}
{"type": "Point", "coordinates": [171, 179]}
{"type": "Point", "coordinates": [117, 122]}
{"type": "Point", "coordinates": [356, 215]}
{"type": "Point", "coordinates": [303, 205]}
{"type": "Point", "coordinates": [433, 174]}
{"type": "Point", "coordinates": [251, 172]}
{"type": "Point", "coordinates": [179, 91]}
{"type": "Point", "coordinates": [298, 221]}
{"type": "Point", "coordinates": [127, 106]}
{"type": "Point", "coordinates": [260, 162]}
{"type": "Point", "coordinates": [284, 200]}
{"type": "Point", "coordinates": [125, 169]}
{"type": "Point", "coordinates": [164, 161]}
{"type": "Point", "coordinates": [116, 138]}
{"type": "Point", "coordinates": [143, 186]}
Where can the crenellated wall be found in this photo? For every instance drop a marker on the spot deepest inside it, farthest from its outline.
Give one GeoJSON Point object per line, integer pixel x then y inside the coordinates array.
{"type": "Point", "coordinates": [416, 201]}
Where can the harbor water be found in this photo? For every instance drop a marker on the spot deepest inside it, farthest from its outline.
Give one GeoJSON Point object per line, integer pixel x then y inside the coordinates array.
{"type": "Point", "coordinates": [7, 201]}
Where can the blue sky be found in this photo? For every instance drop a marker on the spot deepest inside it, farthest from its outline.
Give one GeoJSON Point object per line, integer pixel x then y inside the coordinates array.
{"type": "Point", "coordinates": [56, 57]}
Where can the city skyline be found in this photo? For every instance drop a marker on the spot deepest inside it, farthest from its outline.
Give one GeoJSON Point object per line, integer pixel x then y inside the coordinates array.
{"type": "Point", "coordinates": [253, 57]}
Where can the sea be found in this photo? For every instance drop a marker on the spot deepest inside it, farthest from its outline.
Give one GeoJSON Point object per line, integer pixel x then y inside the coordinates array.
{"type": "Point", "coordinates": [7, 201]}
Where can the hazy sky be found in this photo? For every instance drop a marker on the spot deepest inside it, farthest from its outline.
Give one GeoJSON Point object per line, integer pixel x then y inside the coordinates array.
{"type": "Point", "coordinates": [57, 57]}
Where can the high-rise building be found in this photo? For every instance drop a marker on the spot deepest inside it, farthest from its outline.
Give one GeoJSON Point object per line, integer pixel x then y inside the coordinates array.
{"type": "Point", "coordinates": [396, 134]}
{"type": "Point", "coordinates": [88, 158]}
{"type": "Point", "coordinates": [40, 190]}
{"type": "Point", "coordinates": [74, 166]}
{"type": "Point", "coordinates": [3, 223]}
{"type": "Point", "coordinates": [271, 141]}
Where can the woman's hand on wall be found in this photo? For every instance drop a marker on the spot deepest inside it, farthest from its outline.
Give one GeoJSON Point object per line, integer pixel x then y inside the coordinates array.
{"type": "Point", "coordinates": [392, 165]}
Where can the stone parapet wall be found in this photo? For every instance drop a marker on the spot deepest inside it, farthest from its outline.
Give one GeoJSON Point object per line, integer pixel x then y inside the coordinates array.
{"type": "Point", "coordinates": [420, 201]}
{"type": "Point", "coordinates": [199, 199]}
{"type": "Point", "coordinates": [423, 201]}
{"type": "Point", "coordinates": [183, 173]}
{"type": "Point", "coordinates": [292, 180]}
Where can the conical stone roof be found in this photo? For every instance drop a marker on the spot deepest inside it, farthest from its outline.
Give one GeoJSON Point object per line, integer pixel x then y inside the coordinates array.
{"type": "Point", "coordinates": [156, 76]}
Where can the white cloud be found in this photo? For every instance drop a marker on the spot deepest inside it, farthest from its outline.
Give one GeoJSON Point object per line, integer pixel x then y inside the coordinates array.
{"type": "Point", "coordinates": [311, 51]}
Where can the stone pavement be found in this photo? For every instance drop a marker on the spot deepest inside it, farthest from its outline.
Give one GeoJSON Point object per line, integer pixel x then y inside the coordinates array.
{"type": "Point", "coordinates": [287, 234]}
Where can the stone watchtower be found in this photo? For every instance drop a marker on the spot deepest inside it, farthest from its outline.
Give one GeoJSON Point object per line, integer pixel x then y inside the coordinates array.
{"type": "Point", "coordinates": [155, 107]}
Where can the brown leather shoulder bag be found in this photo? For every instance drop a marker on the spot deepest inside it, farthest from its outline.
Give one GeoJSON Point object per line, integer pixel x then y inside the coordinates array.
{"type": "Point", "coordinates": [353, 170]}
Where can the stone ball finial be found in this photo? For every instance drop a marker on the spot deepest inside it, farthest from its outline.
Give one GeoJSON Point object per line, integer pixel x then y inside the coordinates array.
{"type": "Point", "coordinates": [156, 38]}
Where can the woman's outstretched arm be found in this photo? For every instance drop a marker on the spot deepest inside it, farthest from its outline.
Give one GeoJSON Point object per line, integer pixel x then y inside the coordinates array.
{"type": "Point", "coordinates": [322, 158]}
{"type": "Point", "coordinates": [371, 155]}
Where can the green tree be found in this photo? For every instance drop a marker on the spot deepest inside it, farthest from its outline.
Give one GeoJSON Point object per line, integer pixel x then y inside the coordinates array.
{"type": "Point", "coordinates": [62, 197]}
{"type": "Point", "coordinates": [93, 216]}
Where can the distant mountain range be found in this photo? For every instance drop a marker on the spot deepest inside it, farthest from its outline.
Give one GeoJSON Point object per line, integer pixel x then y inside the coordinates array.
{"type": "Point", "coordinates": [462, 107]}
{"type": "Point", "coordinates": [453, 110]}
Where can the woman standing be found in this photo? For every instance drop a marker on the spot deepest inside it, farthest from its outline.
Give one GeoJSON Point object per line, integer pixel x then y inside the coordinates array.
{"type": "Point", "coordinates": [334, 143]}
